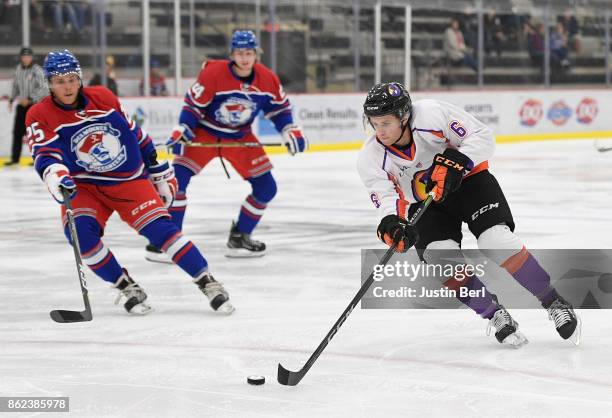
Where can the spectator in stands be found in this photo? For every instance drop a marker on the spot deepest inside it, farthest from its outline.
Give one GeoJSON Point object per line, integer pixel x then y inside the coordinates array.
{"type": "Point", "coordinates": [494, 37]}
{"type": "Point", "coordinates": [37, 16]}
{"type": "Point", "coordinates": [454, 46]}
{"type": "Point", "coordinates": [29, 87]}
{"type": "Point", "coordinates": [10, 13]}
{"type": "Point", "coordinates": [111, 82]}
{"type": "Point", "coordinates": [157, 81]}
{"type": "Point", "coordinates": [572, 28]}
{"type": "Point", "coordinates": [73, 10]}
{"type": "Point", "coordinates": [558, 47]}
{"type": "Point", "coordinates": [535, 42]}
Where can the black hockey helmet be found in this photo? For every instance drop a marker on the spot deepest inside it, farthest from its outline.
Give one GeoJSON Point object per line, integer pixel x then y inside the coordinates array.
{"type": "Point", "coordinates": [388, 98]}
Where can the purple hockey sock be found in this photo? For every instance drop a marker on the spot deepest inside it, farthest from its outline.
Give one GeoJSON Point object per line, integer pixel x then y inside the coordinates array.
{"type": "Point", "coordinates": [527, 271]}
{"type": "Point", "coordinates": [484, 304]}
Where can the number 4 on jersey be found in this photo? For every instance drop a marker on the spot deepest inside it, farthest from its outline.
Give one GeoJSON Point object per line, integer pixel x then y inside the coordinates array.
{"type": "Point", "coordinates": [197, 89]}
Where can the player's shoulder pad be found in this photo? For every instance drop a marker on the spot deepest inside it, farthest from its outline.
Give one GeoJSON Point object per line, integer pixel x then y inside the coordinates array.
{"type": "Point", "coordinates": [100, 94]}
{"type": "Point", "coordinates": [369, 154]}
{"type": "Point", "coordinates": [40, 110]}
{"type": "Point", "coordinates": [265, 73]}
{"type": "Point", "coordinates": [214, 65]}
{"type": "Point", "coordinates": [428, 114]}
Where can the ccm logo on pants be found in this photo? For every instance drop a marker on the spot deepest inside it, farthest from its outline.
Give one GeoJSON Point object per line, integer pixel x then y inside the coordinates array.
{"type": "Point", "coordinates": [143, 206]}
{"type": "Point", "coordinates": [484, 209]}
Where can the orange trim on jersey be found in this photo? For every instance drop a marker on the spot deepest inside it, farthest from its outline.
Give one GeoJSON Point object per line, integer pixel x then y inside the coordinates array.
{"type": "Point", "coordinates": [439, 134]}
{"type": "Point", "coordinates": [401, 204]}
{"type": "Point", "coordinates": [514, 263]}
{"type": "Point", "coordinates": [402, 207]}
{"type": "Point", "coordinates": [480, 167]}
{"type": "Point", "coordinates": [398, 153]}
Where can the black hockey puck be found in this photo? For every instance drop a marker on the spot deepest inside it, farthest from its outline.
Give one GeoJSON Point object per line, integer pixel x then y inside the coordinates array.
{"type": "Point", "coordinates": [256, 380]}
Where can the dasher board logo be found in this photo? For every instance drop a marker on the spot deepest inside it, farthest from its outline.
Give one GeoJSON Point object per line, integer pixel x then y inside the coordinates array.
{"type": "Point", "coordinates": [559, 112]}
{"type": "Point", "coordinates": [531, 112]}
{"type": "Point", "coordinates": [235, 111]}
{"type": "Point", "coordinates": [98, 148]}
{"type": "Point", "coordinates": [587, 110]}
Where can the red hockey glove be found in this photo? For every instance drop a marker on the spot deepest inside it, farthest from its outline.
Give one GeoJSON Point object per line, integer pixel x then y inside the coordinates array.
{"type": "Point", "coordinates": [294, 139]}
{"type": "Point", "coordinates": [181, 134]}
{"type": "Point", "coordinates": [162, 177]}
{"type": "Point", "coordinates": [56, 177]}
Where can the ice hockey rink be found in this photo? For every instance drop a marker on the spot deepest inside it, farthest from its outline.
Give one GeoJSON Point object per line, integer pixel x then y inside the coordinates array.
{"type": "Point", "coordinates": [183, 360]}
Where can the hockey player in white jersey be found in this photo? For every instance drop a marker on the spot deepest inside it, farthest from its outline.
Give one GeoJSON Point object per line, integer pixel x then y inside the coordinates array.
{"type": "Point", "coordinates": [435, 146]}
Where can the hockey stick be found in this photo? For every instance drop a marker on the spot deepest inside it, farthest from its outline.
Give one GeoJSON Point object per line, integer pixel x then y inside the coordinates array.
{"type": "Point", "coordinates": [601, 148]}
{"type": "Point", "coordinates": [233, 144]}
{"type": "Point", "coordinates": [290, 378]}
{"type": "Point", "coordinates": [61, 315]}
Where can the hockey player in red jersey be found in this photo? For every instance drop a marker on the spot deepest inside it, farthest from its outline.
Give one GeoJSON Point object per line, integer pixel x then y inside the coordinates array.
{"type": "Point", "coordinates": [434, 146]}
{"type": "Point", "coordinates": [219, 108]}
{"type": "Point", "coordinates": [83, 142]}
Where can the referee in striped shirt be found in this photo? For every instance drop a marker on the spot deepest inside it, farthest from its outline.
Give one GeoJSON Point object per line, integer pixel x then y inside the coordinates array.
{"type": "Point", "coordinates": [29, 87]}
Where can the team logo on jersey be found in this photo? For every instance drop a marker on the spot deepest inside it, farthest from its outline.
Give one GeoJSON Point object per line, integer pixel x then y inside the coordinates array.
{"type": "Point", "coordinates": [587, 110]}
{"type": "Point", "coordinates": [374, 198]}
{"type": "Point", "coordinates": [98, 148]}
{"type": "Point", "coordinates": [531, 112]}
{"type": "Point", "coordinates": [235, 111]}
{"type": "Point", "coordinates": [559, 113]}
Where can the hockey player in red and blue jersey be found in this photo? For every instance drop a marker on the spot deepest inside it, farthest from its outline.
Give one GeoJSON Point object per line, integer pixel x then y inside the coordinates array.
{"type": "Point", "coordinates": [220, 108]}
{"type": "Point", "coordinates": [84, 143]}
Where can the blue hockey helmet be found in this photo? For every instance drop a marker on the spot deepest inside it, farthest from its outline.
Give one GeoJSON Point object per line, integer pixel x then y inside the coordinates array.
{"type": "Point", "coordinates": [61, 62]}
{"type": "Point", "coordinates": [244, 39]}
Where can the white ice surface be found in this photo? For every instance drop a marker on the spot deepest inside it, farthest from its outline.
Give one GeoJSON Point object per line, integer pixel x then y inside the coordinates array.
{"type": "Point", "coordinates": [184, 360]}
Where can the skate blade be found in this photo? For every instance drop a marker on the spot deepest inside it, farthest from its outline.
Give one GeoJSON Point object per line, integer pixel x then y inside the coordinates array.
{"type": "Point", "coordinates": [243, 253]}
{"type": "Point", "coordinates": [141, 309]}
{"type": "Point", "coordinates": [575, 338]}
{"type": "Point", "coordinates": [227, 308]}
{"type": "Point", "coordinates": [516, 340]}
{"type": "Point", "coordinates": [158, 258]}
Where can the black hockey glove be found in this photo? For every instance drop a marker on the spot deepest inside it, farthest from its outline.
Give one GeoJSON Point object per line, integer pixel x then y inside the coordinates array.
{"type": "Point", "coordinates": [394, 230]}
{"type": "Point", "coordinates": [447, 172]}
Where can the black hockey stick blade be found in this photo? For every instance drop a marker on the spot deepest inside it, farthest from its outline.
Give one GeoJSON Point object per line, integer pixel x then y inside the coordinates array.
{"type": "Point", "coordinates": [600, 147]}
{"type": "Point", "coordinates": [63, 316]}
{"type": "Point", "coordinates": [287, 377]}
{"type": "Point", "coordinates": [603, 149]}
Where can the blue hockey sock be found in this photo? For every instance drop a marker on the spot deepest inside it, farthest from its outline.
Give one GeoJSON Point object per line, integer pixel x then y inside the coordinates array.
{"type": "Point", "coordinates": [177, 210]}
{"type": "Point", "coordinates": [253, 207]}
{"type": "Point", "coordinates": [164, 234]}
{"type": "Point", "coordinates": [93, 251]}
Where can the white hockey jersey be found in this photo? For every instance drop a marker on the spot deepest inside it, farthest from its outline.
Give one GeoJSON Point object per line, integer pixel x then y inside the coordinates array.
{"type": "Point", "coordinates": [396, 178]}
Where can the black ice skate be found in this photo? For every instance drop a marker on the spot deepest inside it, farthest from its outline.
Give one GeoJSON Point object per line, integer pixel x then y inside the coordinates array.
{"type": "Point", "coordinates": [152, 253]}
{"type": "Point", "coordinates": [568, 325]}
{"type": "Point", "coordinates": [242, 246]}
{"type": "Point", "coordinates": [216, 294]}
{"type": "Point", "coordinates": [506, 329]}
{"type": "Point", "coordinates": [135, 295]}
